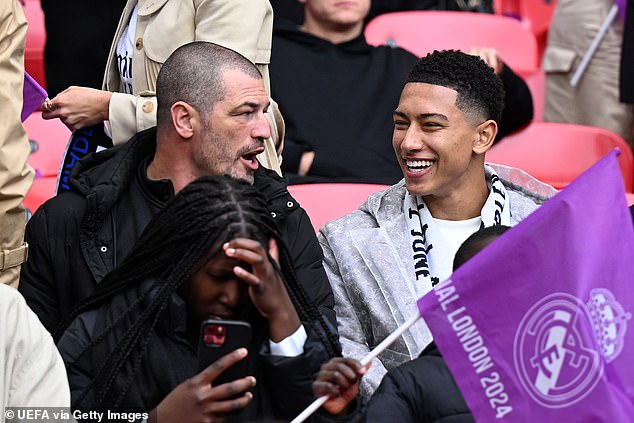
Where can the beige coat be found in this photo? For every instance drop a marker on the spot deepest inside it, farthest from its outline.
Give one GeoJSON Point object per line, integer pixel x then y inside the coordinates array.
{"type": "Point", "coordinates": [32, 373]}
{"type": "Point", "coordinates": [595, 100]}
{"type": "Point", "coordinates": [244, 26]}
{"type": "Point", "coordinates": [15, 174]}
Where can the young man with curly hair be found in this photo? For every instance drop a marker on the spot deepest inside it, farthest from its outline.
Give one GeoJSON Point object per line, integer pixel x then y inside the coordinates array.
{"type": "Point", "coordinates": [381, 258]}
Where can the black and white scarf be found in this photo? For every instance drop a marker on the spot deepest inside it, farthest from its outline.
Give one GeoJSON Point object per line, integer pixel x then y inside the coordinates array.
{"type": "Point", "coordinates": [420, 225]}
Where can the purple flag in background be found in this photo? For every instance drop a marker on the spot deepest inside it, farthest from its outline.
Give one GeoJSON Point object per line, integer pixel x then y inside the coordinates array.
{"type": "Point", "coordinates": [34, 96]}
{"type": "Point", "coordinates": [535, 328]}
{"type": "Point", "coordinates": [622, 5]}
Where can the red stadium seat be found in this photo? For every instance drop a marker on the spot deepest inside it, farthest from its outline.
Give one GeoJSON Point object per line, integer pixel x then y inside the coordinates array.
{"type": "Point", "coordinates": [422, 32]}
{"type": "Point", "coordinates": [35, 40]}
{"type": "Point", "coordinates": [41, 190]}
{"type": "Point", "coordinates": [556, 153]}
{"type": "Point", "coordinates": [329, 201]}
{"type": "Point", "coordinates": [48, 139]}
{"type": "Point", "coordinates": [534, 14]}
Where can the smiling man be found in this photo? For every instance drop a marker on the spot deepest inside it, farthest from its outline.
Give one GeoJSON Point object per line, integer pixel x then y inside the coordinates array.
{"type": "Point", "coordinates": [381, 258]}
{"type": "Point", "coordinates": [210, 121]}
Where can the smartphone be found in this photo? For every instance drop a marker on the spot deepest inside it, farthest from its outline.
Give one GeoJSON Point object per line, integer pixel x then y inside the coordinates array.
{"type": "Point", "coordinates": [220, 337]}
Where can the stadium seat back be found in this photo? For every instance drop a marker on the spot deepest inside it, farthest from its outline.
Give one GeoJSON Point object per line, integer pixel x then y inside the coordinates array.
{"type": "Point", "coordinates": [422, 32]}
{"type": "Point", "coordinates": [48, 139]}
{"type": "Point", "coordinates": [329, 201]}
{"type": "Point", "coordinates": [556, 153]}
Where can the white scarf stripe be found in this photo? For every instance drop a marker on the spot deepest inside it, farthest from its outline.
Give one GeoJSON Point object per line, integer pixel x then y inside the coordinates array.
{"type": "Point", "coordinates": [496, 211]}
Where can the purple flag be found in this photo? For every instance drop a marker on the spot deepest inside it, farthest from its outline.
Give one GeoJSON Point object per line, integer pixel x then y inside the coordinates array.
{"type": "Point", "coordinates": [535, 328]}
{"type": "Point", "coordinates": [622, 5]}
{"type": "Point", "coordinates": [34, 96]}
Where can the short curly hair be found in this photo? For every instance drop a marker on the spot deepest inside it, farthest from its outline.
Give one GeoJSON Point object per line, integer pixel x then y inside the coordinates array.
{"type": "Point", "coordinates": [479, 89]}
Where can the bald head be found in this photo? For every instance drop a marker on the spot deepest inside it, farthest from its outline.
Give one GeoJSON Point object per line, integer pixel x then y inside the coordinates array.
{"type": "Point", "coordinates": [194, 74]}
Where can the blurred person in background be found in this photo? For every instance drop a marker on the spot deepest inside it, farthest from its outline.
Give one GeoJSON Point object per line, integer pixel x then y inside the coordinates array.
{"type": "Point", "coordinates": [78, 38]}
{"type": "Point", "coordinates": [605, 92]}
{"type": "Point", "coordinates": [16, 175]}
{"type": "Point", "coordinates": [337, 94]}
{"type": "Point", "coordinates": [32, 373]}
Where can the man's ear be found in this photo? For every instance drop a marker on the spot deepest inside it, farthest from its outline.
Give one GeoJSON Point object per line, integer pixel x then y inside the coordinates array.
{"type": "Point", "coordinates": [183, 116]}
{"type": "Point", "coordinates": [487, 132]}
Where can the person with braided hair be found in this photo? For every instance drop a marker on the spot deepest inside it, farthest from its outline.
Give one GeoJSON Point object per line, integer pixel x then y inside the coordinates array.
{"type": "Point", "coordinates": [211, 121]}
{"type": "Point", "coordinates": [214, 250]}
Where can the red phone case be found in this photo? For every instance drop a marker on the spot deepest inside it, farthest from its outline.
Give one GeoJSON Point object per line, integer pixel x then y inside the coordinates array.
{"type": "Point", "coordinates": [218, 338]}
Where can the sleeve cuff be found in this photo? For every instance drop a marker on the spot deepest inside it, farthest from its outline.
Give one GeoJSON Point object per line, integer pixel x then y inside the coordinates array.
{"type": "Point", "coordinates": [291, 346]}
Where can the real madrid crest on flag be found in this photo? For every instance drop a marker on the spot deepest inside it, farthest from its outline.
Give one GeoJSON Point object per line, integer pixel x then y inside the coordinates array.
{"type": "Point", "coordinates": [537, 327]}
{"type": "Point", "coordinates": [562, 343]}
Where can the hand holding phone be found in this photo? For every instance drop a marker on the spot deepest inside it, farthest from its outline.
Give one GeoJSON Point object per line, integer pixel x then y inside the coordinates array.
{"type": "Point", "coordinates": [193, 400]}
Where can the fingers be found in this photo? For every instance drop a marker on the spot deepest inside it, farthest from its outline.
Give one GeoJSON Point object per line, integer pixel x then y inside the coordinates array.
{"type": "Point", "coordinates": [230, 406]}
{"type": "Point", "coordinates": [78, 107]}
{"type": "Point", "coordinates": [340, 372]}
{"type": "Point", "coordinates": [252, 253]}
{"type": "Point", "coordinates": [54, 109]}
{"type": "Point", "coordinates": [490, 56]}
{"type": "Point", "coordinates": [274, 250]}
{"type": "Point", "coordinates": [321, 388]}
{"type": "Point", "coordinates": [212, 371]}
{"type": "Point", "coordinates": [247, 250]}
{"type": "Point", "coordinates": [50, 109]}
{"type": "Point", "coordinates": [47, 106]}
{"type": "Point", "coordinates": [231, 389]}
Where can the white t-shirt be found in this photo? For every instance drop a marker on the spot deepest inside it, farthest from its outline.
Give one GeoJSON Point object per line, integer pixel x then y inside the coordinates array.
{"type": "Point", "coordinates": [125, 50]}
{"type": "Point", "coordinates": [447, 237]}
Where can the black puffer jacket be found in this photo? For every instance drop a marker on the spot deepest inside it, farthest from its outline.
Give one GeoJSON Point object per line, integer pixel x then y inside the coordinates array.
{"type": "Point", "coordinates": [72, 241]}
{"type": "Point", "coordinates": [283, 386]}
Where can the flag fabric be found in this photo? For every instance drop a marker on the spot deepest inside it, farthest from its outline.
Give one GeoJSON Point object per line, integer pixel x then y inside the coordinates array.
{"type": "Point", "coordinates": [622, 5]}
{"type": "Point", "coordinates": [34, 96]}
{"type": "Point", "coordinates": [535, 328]}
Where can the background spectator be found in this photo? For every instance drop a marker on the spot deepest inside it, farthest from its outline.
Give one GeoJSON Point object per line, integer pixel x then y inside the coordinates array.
{"type": "Point", "coordinates": [337, 94]}
{"type": "Point", "coordinates": [596, 99]}
{"type": "Point", "coordinates": [32, 373]}
{"type": "Point", "coordinates": [15, 174]}
{"type": "Point", "coordinates": [78, 38]}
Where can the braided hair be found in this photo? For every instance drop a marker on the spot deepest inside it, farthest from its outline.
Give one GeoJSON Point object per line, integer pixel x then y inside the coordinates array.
{"type": "Point", "coordinates": [177, 243]}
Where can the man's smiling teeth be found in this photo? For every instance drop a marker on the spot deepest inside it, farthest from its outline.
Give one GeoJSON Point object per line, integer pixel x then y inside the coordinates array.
{"type": "Point", "coordinates": [418, 165]}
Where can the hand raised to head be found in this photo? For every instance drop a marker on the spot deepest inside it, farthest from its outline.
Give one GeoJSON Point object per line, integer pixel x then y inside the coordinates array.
{"type": "Point", "coordinates": [266, 288]}
{"type": "Point", "coordinates": [490, 56]}
{"type": "Point", "coordinates": [197, 399]}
